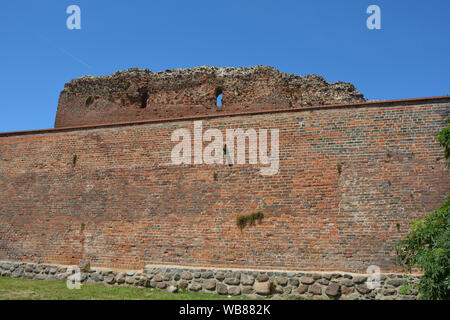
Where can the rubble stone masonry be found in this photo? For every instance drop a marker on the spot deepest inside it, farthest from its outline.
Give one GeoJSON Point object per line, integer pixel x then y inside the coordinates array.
{"type": "Point", "coordinates": [137, 94]}
{"type": "Point", "coordinates": [232, 282]}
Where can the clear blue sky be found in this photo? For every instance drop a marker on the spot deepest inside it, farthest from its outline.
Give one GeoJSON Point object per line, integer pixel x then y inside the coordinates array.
{"type": "Point", "coordinates": [408, 57]}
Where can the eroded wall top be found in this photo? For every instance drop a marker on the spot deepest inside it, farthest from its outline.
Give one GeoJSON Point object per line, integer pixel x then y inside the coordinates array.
{"type": "Point", "coordinates": [137, 94]}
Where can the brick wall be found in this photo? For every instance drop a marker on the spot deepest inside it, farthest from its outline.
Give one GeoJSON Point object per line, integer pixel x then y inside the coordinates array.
{"type": "Point", "coordinates": [350, 179]}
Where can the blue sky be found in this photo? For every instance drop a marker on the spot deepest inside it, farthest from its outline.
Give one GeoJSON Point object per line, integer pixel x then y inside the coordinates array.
{"type": "Point", "coordinates": [408, 57]}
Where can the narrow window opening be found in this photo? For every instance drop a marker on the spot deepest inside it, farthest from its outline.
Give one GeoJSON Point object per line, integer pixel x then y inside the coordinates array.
{"type": "Point", "coordinates": [219, 97]}
{"type": "Point", "coordinates": [144, 99]}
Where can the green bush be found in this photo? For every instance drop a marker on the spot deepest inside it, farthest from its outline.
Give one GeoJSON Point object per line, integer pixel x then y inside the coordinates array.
{"type": "Point", "coordinates": [406, 288]}
{"type": "Point", "coordinates": [444, 139]}
{"type": "Point", "coordinates": [427, 246]}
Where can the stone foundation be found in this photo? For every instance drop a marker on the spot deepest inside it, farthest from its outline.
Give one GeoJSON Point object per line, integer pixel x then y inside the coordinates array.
{"type": "Point", "coordinates": [254, 283]}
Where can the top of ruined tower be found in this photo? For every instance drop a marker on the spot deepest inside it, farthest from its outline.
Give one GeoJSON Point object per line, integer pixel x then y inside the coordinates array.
{"type": "Point", "coordinates": [139, 94]}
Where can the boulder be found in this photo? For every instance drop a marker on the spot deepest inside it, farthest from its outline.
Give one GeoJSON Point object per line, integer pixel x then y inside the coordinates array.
{"type": "Point", "coordinates": [262, 288]}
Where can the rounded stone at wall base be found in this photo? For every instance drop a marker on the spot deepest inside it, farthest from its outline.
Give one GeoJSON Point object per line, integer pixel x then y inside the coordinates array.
{"type": "Point", "coordinates": [278, 289]}
{"type": "Point", "coordinates": [262, 277]}
{"type": "Point", "coordinates": [346, 282]}
{"type": "Point", "coordinates": [110, 280]}
{"type": "Point", "coordinates": [157, 278]}
{"type": "Point", "coordinates": [234, 291]}
{"type": "Point", "coordinates": [362, 288]}
{"type": "Point", "coordinates": [186, 276]}
{"type": "Point", "coordinates": [143, 282]}
{"type": "Point", "coordinates": [307, 280]}
{"type": "Point", "coordinates": [247, 280]}
{"type": "Point", "coordinates": [161, 285]}
{"type": "Point", "coordinates": [28, 275]}
{"type": "Point", "coordinates": [302, 289]}
{"type": "Point", "coordinates": [210, 284]}
{"type": "Point", "coordinates": [221, 289]}
{"type": "Point", "coordinates": [333, 290]}
{"type": "Point", "coordinates": [395, 282]}
{"type": "Point", "coordinates": [195, 286]}
{"type": "Point", "coordinates": [232, 281]}
{"type": "Point", "coordinates": [220, 276]}
{"type": "Point", "coordinates": [262, 288]}
{"type": "Point", "coordinates": [294, 282]}
{"type": "Point", "coordinates": [207, 275]}
{"type": "Point", "coordinates": [129, 280]}
{"type": "Point", "coordinates": [389, 292]}
{"type": "Point", "coordinates": [6, 273]}
{"type": "Point", "coordinates": [282, 281]}
{"type": "Point", "coordinates": [359, 279]}
{"type": "Point", "coordinates": [315, 289]}
{"type": "Point", "coordinates": [347, 290]}
{"type": "Point", "coordinates": [247, 289]}
{"type": "Point", "coordinates": [288, 290]}
{"type": "Point", "coordinates": [43, 276]}
{"type": "Point", "coordinates": [97, 276]}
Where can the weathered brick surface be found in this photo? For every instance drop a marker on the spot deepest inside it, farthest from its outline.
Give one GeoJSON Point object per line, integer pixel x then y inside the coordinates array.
{"type": "Point", "coordinates": [137, 94]}
{"type": "Point", "coordinates": [121, 205]}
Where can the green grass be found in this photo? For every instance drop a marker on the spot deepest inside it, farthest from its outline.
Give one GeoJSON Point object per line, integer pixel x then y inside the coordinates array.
{"type": "Point", "coordinates": [23, 289]}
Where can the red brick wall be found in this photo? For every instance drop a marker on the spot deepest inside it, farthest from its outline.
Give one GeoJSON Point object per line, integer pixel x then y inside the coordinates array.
{"type": "Point", "coordinates": [122, 206]}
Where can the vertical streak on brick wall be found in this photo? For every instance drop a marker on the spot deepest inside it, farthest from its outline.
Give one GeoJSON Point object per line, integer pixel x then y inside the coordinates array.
{"type": "Point", "coordinates": [349, 181]}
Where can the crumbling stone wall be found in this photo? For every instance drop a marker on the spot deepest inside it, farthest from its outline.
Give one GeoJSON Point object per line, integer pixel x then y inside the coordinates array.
{"type": "Point", "coordinates": [136, 94]}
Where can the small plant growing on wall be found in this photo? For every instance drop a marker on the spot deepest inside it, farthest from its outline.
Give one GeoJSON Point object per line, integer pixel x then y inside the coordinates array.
{"type": "Point", "coordinates": [89, 100]}
{"type": "Point", "coordinates": [406, 288]}
{"type": "Point", "coordinates": [241, 221]}
{"type": "Point", "coordinates": [74, 159]}
{"type": "Point", "coordinates": [86, 267]}
{"type": "Point", "coordinates": [244, 220]}
{"type": "Point", "coordinates": [339, 168]}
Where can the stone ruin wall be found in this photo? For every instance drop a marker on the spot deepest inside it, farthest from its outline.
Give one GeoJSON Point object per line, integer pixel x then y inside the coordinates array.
{"type": "Point", "coordinates": [136, 94]}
